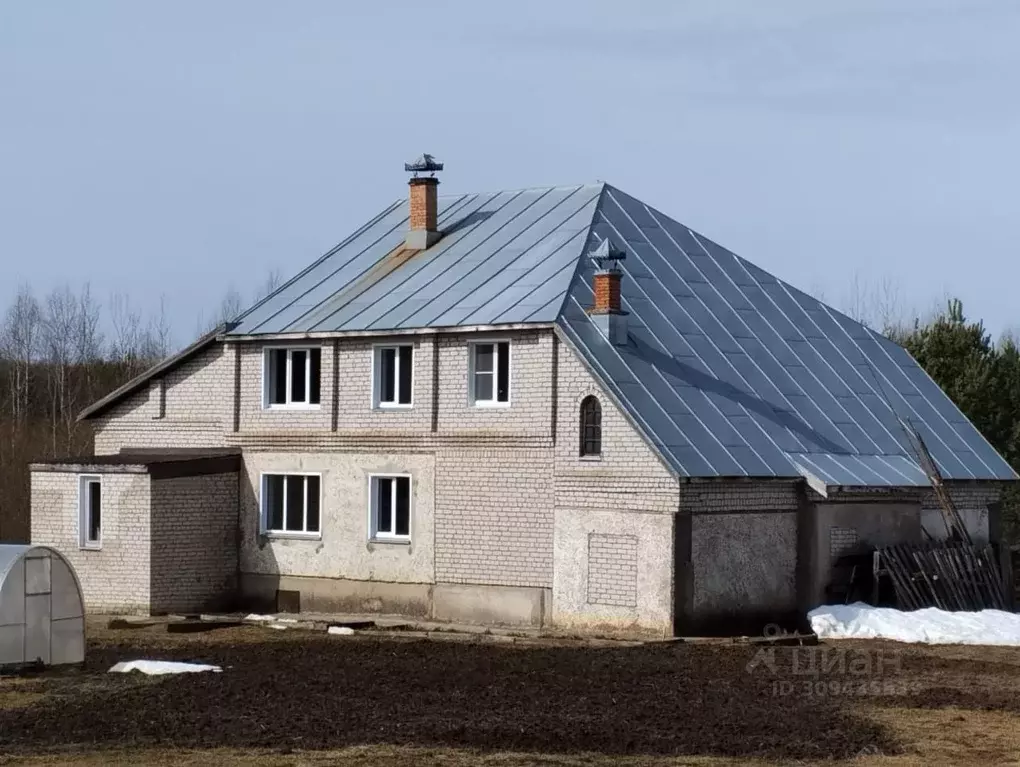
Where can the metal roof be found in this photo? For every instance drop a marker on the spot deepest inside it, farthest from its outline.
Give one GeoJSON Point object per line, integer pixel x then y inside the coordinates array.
{"type": "Point", "coordinates": [504, 258]}
{"type": "Point", "coordinates": [727, 371]}
{"type": "Point", "coordinates": [732, 372]}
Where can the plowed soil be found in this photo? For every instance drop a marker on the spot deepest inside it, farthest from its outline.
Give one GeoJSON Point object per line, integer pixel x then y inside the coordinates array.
{"type": "Point", "coordinates": [303, 691]}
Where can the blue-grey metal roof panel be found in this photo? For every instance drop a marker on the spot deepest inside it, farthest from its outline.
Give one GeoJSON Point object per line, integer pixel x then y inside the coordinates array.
{"type": "Point", "coordinates": [727, 371]}
{"type": "Point", "coordinates": [759, 378]}
{"type": "Point", "coordinates": [491, 243]}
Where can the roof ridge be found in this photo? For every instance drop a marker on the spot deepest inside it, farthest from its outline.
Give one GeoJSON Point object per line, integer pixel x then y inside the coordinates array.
{"type": "Point", "coordinates": [584, 249]}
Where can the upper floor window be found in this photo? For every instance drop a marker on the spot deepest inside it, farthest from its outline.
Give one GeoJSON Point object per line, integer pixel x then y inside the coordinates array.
{"type": "Point", "coordinates": [393, 377]}
{"type": "Point", "coordinates": [90, 512]}
{"type": "Point", "coordinates": [490, 374]}
{"type": "Point", "coordinates": [591, 427]}
{"type": "Point", "coordinates": [292, 377]}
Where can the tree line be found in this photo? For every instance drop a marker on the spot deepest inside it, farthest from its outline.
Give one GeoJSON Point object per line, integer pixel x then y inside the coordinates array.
{"type": "Point", "coordinates": [58, 354]}
{"type": "Point", "coordinates": [61, 352]}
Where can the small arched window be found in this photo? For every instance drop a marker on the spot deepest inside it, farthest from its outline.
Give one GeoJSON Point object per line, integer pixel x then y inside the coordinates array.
{"type": "Point", "coordinates": [591, 426]}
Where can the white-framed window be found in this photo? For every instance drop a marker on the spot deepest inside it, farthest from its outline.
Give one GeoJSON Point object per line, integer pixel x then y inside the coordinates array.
{"type": "Point", "coordinates": [489, 373]}
{"type": "Point", "coordinates": [292, 377]}
{"type": "Point", "coordinates": [390, 507]}
{"type": "Point", "coordinates": [90, 511]}
{"type": "Point", "coordinates": [392, 376]}
{"type": "Point", "coordinates": [291, 504]}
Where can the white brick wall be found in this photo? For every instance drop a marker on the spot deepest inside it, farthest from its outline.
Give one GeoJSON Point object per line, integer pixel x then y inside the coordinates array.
{"type": "Point", "coordinates": [499, 472]}
{"type": "Point", "coordinates": [494, 517]}
{"type": "Point", "coordinates": [116, 577]}
{"type": "Point", "coordinates": [628, 476]}
{"type": "Point", "coordinates": [199, 398]}
{"type": "Point", "coordinates": [194, 522]}
{"type": "Point", "coordinates": [612, 570]}
{"type": "Point", "coordinates": [531, 363]}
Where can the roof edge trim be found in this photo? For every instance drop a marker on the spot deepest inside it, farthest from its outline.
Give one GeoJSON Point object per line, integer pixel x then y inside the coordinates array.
{"type": "Point", "coordinates": [329, 334]}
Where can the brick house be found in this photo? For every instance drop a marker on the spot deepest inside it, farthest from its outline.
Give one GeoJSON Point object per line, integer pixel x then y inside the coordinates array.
{"type": "Point", "coordinates": [553, 407]}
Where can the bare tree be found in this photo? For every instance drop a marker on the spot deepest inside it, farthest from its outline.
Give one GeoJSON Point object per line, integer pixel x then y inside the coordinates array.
{"type": "Point", "coordinates": [19, 343]}
{"type": "Point", "coordinates": [127, 330]}
{"type": "Point", "coordinates": [273, 280]}
{"type": "Point", "coordinates": [157, 340]}
{"type": "Point", "coordinates": [879, 305]}
{"type": "Point", "coordinates": [61, 323]}
{"type": "Point", "coordinates": [230, 306]}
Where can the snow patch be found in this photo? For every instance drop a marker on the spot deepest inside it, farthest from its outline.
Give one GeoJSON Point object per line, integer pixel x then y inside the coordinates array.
{"type": "Point", "coordinates": [269, 619]}
{"type": "Point", "coordinates": [340, 630]}
{"type": "Point", "coordinates": [158, 667]}
{"type": "Point", "coordinates": [927, 626]}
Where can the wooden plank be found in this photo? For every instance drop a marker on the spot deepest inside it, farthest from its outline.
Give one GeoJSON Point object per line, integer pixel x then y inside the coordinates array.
{"type": "Point", "coordinates": [904, 597]}
{"type": "Point", "coordinates": [962, 595]}
{"type": "Point", "coordinates": [939, 603]}
{"type": "Point", "coordinates": [913, 597]}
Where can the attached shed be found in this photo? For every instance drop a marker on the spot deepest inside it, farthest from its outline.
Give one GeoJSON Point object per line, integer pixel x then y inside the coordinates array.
{"type": "Point", "coordinates": [151, 532]}
{"type": "Point", "coordinates": [42, 615]}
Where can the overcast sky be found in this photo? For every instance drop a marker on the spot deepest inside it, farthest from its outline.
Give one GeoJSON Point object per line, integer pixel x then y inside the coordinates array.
{"type": "Point", "coordinates": [183, 148]}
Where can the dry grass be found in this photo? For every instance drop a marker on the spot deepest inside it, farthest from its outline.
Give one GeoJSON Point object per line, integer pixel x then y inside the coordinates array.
{"type": "Point", "coordinates": [19, 693]}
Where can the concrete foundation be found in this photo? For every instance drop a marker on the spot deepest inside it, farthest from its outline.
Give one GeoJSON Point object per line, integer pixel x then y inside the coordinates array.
{"type": "Point", "coordinates": [460, 603]}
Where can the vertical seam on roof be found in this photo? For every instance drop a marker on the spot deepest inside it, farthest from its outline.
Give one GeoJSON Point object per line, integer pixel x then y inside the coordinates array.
{"type": "Point", "coordinates": [456, 262]}
{"type": "Point", "coordinates": [697, 238]}
{"type": "Point", "coordinates": [636, 422]}
{"type": "Point", "coordinates": [296, 298]}
{"type": "Point", "coordinates": [879, 343]}
{"type": "Point", "coordinates": [767, 350]}
{"type": "Point", "coordinates": [662, 377]}
{"type": "Point", "coordinates": [535, 244]}
{"type": "Point", "coordinates": [721, 354]}
{"type": "Point", "coordinates": [357, 233]}
{"type": "Point", "coordinates": [771, 300]}
{"type": "Point", "coordinates": [954, 405]}
{"type": "Point", "coordinates": [447, 215]}
{"type": "Point", "coordinates": [469, 318]}
{"type": "Point", "coordinates": [502, 226]}
{"type": "Point", "coordinates": [461, 202]}
{"type": "Point", "coordinates": [875, 372]}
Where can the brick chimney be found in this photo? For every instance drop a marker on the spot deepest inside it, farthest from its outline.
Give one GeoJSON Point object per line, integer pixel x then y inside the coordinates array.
{"type": "Point", "coordinates": [423, 202]}
{"type": "Point", "coordinates": [607, 313]}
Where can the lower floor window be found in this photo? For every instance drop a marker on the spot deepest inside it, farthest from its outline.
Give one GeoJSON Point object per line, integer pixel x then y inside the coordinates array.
{"type": "Point", "coordinates": [90, 512]}
{"type": "Point", "coordinates": [391, 507]}
{"type": "Point", "coordinates": [290, 503]}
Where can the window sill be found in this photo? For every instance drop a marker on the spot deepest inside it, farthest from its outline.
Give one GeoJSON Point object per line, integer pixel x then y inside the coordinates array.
{"type": "Point", "coordinates": [590, 458]}
{"type": "Point", "coordinates": [391, 406]}
{"type": "Point", "coordinates": [397, 541]}
{"type": "Point", "coordinates": [490, 405]}
{"type": "Point", "coordinates": [285, 408]}
{"type": "Point", "coordinates": [90, 546]}
{"type": "Point", "coordinates": [294, 536]}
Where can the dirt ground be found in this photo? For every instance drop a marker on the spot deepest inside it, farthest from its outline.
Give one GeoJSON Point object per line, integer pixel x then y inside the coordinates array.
{"type": "Point", "coordinates": [305, 698]}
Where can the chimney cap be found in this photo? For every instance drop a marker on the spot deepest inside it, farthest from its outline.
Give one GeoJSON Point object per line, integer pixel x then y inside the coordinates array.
{"type": "Point", "coordinates": [607, 256]}
{"type": "Point", "coordinates": [424, 164]}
